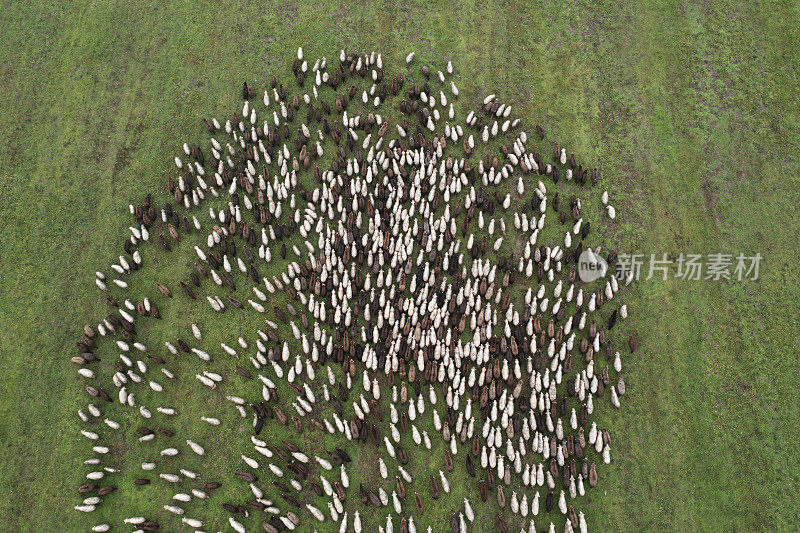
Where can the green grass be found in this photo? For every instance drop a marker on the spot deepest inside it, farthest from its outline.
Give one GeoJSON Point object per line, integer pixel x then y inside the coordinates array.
{"type": "Point", "coordinates": [690, 110]}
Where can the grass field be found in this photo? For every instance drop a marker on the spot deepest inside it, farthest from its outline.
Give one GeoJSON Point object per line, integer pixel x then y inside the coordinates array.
{"type": "Point", "coordinates": [690, 110]}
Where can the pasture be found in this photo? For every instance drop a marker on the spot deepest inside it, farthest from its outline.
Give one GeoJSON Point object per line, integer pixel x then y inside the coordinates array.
{"type": "Point", "coordinates": [690, 110]}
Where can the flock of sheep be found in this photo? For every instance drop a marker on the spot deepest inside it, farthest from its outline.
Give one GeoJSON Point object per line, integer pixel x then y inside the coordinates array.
{"type": "Point", "coordinates": [408, 250]}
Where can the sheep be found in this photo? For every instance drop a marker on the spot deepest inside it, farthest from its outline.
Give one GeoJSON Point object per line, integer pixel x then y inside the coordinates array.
{"type": "Point", "coordinates": [85, 508]}
{"type": "Point", "coordinates": [445, 484]}
{"type": "Point", "coordinates": [316, 513]}
{"type": "Point", "coordinates": [343, 273]}
{"type": "Point", "coordinates": [196, 448]}
{"type": "Point", "coordinates": [174, 509]}
{"type": "Point", "coordinates": [237, 526]}
{"type": "Point", "coordinates": [90, 434]}
{"type": "Point", "coordinates": [192, 522]}
{"type": "Point", "coordinates": [208, 382]}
